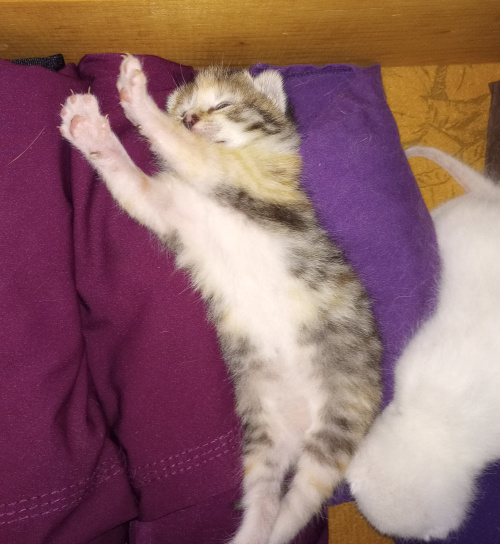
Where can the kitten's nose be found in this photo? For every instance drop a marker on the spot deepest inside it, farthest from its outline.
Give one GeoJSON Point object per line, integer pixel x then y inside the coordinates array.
{"type": "Point", "coordinates": [190, 120]}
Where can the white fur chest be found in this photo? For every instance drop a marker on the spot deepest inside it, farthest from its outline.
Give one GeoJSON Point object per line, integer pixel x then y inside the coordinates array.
{"type": "Point", "coordinates": [233, 258]}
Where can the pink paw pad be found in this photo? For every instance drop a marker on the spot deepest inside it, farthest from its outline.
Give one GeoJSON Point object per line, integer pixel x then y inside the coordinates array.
{"type": "Point", "coordinates": [124, 95]}
{"type": "Point", "coordinates": [132, 80]}
{"type": "Point", "coordinates": [73, 124]}
{"type": "Point", "coordinates": [85, 127]}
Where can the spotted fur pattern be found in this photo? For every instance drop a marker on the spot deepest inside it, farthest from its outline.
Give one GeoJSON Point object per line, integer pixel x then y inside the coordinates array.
{"type": "Point", "coordinates": [294, 323]}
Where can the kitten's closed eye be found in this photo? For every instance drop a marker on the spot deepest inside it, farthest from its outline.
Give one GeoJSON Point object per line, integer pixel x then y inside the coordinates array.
{"type": "Point", "coordinates": [222, 105]}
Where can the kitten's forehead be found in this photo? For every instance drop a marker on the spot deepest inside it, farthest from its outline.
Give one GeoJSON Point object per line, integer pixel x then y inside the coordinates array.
{"type": "Point", "coordinates": [223, 79]}
{"type": "Point", "coordinates": [207, 92]}
{"type": "Point", "coordinates": [212, 85]}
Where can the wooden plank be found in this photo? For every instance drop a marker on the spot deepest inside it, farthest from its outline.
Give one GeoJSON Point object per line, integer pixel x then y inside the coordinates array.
{"type": "Point", "coordinates": [347, 526]}
{"type": "Point", "coordinates": [200, 32]}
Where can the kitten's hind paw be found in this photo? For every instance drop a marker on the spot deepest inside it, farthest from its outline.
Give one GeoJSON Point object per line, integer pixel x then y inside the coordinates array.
{"type": "Point", "coordinates": [85, 127]}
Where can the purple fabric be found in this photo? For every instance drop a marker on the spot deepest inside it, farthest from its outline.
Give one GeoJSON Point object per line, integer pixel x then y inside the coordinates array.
{"type": "Point", "coordinates": [364, 191]}
{"type": "Point", "coordinates": [115, 402]}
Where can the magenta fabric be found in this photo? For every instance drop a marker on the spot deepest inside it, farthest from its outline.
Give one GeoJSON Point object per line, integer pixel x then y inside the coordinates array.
{"type": "Point", "coordinates": [117, 418]}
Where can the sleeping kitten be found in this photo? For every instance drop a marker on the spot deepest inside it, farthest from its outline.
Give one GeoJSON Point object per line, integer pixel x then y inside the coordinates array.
{"type": "Point", "coordinates": [414, 474]}
{"type": "Point", "coordinates": [294, 323]}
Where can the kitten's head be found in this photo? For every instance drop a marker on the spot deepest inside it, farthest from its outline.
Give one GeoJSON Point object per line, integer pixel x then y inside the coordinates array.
{"type": "Point", "coordinates": [234, 109]}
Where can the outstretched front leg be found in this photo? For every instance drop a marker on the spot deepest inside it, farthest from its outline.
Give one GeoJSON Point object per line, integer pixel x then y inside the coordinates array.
{"type": "Point", "coordinates": [90, 132]}
{"type": "Point", "coordinates": [188, 154]}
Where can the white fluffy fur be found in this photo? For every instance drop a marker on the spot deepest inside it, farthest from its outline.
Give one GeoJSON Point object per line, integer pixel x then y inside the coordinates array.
{"type": "Point", "coordinates": [414, 475]}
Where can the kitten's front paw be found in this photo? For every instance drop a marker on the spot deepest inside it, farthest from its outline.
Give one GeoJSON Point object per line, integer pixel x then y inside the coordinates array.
{"type": "Point", "coordinates": [84, 126]}
{"type": "Point", "coordinates": [132, 85]}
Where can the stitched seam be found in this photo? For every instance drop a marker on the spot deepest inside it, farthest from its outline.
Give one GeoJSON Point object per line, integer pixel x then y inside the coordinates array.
{"type": "Point", "coordinates": [97, 476]}
{"type": "Point", "coordinates": [100, 468]}
{"type": "Point", "coordinates": [141, 477]}
{"type": "Point", "coordinates": [195, 465]}
{"type": "Point", "coordinates": [83, 493]}
{"type": "Point", "coordinates": [177, 455]}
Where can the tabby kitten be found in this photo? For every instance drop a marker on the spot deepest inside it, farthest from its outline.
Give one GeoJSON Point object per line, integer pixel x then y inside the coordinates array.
{"type": "Point", "coordinates": [294, 323]}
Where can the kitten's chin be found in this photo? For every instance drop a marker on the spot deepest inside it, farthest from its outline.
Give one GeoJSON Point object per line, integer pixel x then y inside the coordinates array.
{"type": "Point", "coordinates": [209, 135]}
{"type": "Point", "coordinates": [215, 140]}
{"type": "Point", "coordinates": [217, 135]}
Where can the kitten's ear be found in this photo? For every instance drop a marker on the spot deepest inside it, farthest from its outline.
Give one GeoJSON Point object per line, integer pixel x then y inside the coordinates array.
{"type": "Point", "coordinates": [270, 83]}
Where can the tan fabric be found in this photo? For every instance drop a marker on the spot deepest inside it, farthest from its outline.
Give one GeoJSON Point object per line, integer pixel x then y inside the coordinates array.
{"type": "Point", "coordinates": [445, 107]}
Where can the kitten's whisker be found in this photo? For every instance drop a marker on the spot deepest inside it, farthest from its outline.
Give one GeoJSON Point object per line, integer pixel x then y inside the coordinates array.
{"type": "Point", "coordinates": [21, 154]}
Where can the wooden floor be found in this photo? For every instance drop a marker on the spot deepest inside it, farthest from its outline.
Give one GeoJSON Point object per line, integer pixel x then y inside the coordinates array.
{"type": "Point", "coordinates": [440, 106]}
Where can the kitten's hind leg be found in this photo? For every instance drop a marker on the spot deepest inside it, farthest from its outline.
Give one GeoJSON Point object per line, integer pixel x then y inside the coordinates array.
{"type": "Point", "coordinates": [316, 476]}
{"type": "Point", "coordinates": [90, 132]}
{"type": "Point", "coordinates": [266, 464]}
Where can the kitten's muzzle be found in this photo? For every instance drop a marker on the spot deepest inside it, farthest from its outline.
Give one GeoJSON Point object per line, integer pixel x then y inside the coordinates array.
{"type": "Point", "coordinates": [190, 120]}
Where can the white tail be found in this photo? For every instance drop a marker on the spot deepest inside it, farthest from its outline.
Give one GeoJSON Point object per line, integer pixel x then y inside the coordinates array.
{"type": "Point", "coordinates": [466, 176]}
